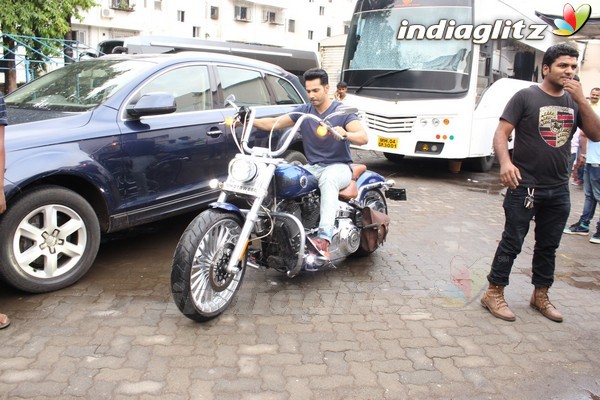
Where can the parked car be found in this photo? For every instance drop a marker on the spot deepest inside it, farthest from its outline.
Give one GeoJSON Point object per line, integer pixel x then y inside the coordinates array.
{"type": "Point", "coordinates": [106, 144]}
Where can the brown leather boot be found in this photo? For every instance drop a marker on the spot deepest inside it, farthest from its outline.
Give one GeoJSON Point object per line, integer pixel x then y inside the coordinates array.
{"type": "Point", "coordinates": [541, 302]}
{"type": "Point", "coordinates": [493, 300]}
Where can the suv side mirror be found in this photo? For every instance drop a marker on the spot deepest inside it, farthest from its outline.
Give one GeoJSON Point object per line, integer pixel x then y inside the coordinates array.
{"type": "Point", "coordinates": [157, 103]}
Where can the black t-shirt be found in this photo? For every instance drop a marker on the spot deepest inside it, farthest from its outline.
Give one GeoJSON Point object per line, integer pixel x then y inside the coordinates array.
{"type": "Point", "coordinates": [544, 126]}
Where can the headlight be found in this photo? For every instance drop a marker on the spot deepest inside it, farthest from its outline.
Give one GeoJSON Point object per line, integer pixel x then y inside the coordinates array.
{"type": "Point", "coordinates": [242, 170]}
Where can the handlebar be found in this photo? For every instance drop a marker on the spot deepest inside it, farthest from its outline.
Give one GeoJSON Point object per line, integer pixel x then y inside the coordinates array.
{"type": "Point", "coordinates": [250, 115]}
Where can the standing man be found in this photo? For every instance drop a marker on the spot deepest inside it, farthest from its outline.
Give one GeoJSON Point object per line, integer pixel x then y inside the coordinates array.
{"type": "Point", "coordinates": [544, 117]}
{"type": "Point", "coordinates": [328, 156]}
{"type": "Point", "coordinates": [4, 321]}
{"type": "Point", "coordinates": [590, 157]}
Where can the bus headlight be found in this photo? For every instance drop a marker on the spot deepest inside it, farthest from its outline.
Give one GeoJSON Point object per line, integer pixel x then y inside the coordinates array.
{"type": "Point", "coordinates": [242, 170]}
{"type": "Point", "coordinates": [435, 122]}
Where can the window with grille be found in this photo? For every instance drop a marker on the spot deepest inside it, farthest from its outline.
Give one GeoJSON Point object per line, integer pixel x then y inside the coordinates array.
{"type": "Point", "coordinates": [242, 13]}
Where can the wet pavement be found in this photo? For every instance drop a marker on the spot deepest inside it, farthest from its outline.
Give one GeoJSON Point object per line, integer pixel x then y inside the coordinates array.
{"type": "Point", "coordinates": [404, 323]}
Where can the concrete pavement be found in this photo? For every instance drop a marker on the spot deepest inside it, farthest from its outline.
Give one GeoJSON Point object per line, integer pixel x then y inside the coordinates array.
{"type": "Point", "coordinates": [404, 323]}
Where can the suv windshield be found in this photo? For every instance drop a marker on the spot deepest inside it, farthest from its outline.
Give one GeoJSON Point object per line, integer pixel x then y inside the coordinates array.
{"type": "Point", "coordinates": [77, 87]}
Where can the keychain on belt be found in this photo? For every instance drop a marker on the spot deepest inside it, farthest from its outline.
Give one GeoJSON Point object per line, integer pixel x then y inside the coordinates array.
{"type": "Point", "coordinates": [529, 199]}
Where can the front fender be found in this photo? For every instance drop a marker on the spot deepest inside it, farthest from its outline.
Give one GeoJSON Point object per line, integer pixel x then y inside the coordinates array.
{"type": "Point", "coordinates": [220, 205]}
{"type": "Point", "coordinates": [26, 167]}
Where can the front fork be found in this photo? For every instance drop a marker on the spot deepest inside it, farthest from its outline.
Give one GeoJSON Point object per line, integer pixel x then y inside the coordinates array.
{"type": "Point", "coordinates": [251, 217]}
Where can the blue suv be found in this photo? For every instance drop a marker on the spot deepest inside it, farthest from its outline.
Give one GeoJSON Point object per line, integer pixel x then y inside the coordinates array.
{"type": "Point", "coordinates": [107, 144]}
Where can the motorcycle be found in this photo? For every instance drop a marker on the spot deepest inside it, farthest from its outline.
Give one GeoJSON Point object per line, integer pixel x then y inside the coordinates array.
{"type": "Point", "coordinates": [275, 232]}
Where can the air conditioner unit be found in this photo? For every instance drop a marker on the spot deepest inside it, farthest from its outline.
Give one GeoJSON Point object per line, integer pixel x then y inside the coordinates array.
{"type": "Point", "coordinates": [108, 13]}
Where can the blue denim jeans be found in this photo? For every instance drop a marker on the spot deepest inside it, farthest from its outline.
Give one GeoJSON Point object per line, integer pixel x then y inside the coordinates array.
{"type": "Point", "coordinates": [332, 179]}
{"type": "Point", "coordinates": [591, 190]}
{"type": "Point", "coordinates": [551, 210]}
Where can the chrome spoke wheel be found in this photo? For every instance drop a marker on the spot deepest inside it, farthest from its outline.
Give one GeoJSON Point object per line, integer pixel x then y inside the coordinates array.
{"type": "Point", "coordinates": [211, 287]}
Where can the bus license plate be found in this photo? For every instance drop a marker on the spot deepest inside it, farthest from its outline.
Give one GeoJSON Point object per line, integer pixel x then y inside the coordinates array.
{"type": "Point", "coordinates": [387, 143]}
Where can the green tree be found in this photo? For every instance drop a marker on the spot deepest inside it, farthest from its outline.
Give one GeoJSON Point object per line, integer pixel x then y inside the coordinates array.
{"type": "Point", "coordinates": [38, 18]}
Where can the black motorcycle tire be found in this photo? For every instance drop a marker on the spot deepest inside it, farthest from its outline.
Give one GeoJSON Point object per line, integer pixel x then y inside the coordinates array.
{"type": "Point", "coordinates": [200, 287]}
{"type": "Point", "coordinates": [374, 199]}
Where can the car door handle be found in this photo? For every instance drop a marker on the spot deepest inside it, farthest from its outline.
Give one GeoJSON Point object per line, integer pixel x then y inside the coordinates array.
{"type": "Point", "coordinates": [214, 132]}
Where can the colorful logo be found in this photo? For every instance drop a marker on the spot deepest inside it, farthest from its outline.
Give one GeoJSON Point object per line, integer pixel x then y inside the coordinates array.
{"type": "Point", "coordinates": [573, 20]}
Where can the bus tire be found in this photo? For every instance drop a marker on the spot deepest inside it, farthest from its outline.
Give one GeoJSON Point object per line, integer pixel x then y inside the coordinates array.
{"type": "Point", "coordinates": [394, 157]}
{"type": "Point", "coordinates": [482, 164]}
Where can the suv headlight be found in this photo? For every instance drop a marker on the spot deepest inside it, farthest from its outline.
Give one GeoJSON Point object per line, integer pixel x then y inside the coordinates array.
{"type": "Point", "coordinates": [242, 170]}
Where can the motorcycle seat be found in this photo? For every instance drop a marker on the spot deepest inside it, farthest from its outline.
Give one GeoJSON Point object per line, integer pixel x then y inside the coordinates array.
{"type": "Point", "coordinates": [351, 191]}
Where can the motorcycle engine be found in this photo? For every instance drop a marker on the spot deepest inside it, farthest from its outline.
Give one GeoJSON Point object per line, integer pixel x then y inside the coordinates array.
{"type": "Point", "coordinates": [310, 207]}
{"type": "Point", "coordinates": [348, 236]}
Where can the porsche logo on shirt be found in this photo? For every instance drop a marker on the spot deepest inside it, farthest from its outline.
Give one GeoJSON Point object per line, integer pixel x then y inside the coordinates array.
{"type": "Point", "coordinates": [556, 124]}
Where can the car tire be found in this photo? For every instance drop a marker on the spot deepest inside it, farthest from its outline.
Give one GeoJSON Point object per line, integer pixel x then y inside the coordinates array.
{"type": "Point", "coordinates": [295, 157]}
{"type": "Point", "coordinates": [49, 238]}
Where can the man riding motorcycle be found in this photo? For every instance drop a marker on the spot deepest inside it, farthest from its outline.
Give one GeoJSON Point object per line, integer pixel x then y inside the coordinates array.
{"type": "Point", "coordinates": [328, 155]}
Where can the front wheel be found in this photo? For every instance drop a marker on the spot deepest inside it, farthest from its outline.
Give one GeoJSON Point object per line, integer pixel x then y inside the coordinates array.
{"type": "Point", "coordinates": [201, 287]}
{"type": "Point", "coordinates": [49, 239]}
{"type": "Point", "coordinates": [295, 157]}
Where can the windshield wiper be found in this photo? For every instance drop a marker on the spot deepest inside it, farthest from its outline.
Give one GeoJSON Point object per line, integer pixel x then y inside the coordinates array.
{"type": "Point", "coordinates": [375, 77]}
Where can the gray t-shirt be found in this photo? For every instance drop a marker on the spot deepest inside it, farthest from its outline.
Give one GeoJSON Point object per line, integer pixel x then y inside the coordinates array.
{"type": "Point", "coordinates": [324, 149]}
{"type": "Point", "coordinates": [544, 126]}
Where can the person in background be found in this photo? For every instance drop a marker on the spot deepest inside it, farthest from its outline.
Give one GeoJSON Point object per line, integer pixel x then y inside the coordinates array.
{"type": "Point", "coordinates": [590, 158]}
{"type": "Point", "coordinates": [341, 91]}
{"type": "Point", "coordinates": [544, 117]}
{"type": "Point", "coordinates": [576, 167]}
{"type": "Point", "coordinates": [4, 321]}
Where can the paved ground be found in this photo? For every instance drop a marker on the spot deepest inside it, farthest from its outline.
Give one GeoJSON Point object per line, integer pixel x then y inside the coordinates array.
{"type": "Point", "coordinates": [404, 323]}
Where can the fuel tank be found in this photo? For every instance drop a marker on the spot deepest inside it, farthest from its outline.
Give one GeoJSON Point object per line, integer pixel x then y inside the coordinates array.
{"type": "Point", "coordinates": [294, 181]}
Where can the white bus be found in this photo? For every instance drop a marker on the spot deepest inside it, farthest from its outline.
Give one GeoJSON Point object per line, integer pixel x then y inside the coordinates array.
{"type": "Point", "coordinates": [439, 98]}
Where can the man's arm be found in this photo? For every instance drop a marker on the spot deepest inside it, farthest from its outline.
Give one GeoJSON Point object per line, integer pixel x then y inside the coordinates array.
{"type": "Point", "coordinates": [589, 119]}
{"type": "Point", "coordinates": [354, 133]}
{"type": "Point", "coordinates": [509, 173]}
{"type": "Point", "coordinates": [266, 124]}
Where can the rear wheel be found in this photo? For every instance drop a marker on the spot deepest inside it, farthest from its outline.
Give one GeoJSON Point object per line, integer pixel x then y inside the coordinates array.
{"type": "Point", "coordinates": [201, 287]}
{"type": "Point", "coordinates": [482, 164]}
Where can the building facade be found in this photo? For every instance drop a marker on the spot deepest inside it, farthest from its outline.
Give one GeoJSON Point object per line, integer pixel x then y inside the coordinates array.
{"type": "Point", "coordinates": [299, 24]}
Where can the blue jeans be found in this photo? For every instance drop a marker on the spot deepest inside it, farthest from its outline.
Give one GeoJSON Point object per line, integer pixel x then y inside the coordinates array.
{"type": "Point", "coordinates": [591, 190]}
{"type": "Point", "coordinates": [332, 179]}
{"type": "Point", "coordinates": [551, 210]}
